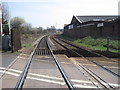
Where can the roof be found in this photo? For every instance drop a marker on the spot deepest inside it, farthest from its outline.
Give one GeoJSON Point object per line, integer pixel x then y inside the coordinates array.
{"type": "Point", "coordinates": [95, 18]}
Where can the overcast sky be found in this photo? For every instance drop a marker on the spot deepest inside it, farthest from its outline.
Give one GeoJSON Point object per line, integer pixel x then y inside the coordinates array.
{"type": "Point", "coordinates": [46, 13]}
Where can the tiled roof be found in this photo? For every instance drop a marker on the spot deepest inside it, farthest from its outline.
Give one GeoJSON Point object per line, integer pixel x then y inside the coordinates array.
{"type": "Point", "coordinates": [95, 18]}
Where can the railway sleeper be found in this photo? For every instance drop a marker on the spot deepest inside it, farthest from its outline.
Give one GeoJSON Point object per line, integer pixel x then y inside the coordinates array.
{"type": "Point", "coordinates": [42, 52]}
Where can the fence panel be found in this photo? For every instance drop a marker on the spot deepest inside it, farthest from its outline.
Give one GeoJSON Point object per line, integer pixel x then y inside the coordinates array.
{"type": "Point", "coordinates": [15, 39]}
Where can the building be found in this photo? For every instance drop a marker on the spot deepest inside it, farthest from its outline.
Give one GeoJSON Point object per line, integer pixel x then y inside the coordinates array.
{"type": "Point", "coordinates": [96, 26]}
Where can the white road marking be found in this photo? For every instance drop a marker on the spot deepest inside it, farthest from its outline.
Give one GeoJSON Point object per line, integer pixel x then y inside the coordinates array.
{"type": "Point", "coordinates": [51, 61]}
{"type": "Point", "coordinates": [10, 73]}
{"type": "Point", "coordinates": [2, 68]}
{"type": "Point", "coordinates": [111, 67]}
{"type": "Point", "coordinates": [65, 63]}
{"type": "Point", "coordinates": [90, 64]}
{"type": "Point", "coordinates": [34, 78]}
{"type": "Point", "coordinates": [46, 78]}
{"type": "Point", "coordinates": [21, 58]}
{"type": "Point", "coordinates": [80, 81]}
{"type": "Point", "coordinates": [44, 61]}
{"type": "Point", "coordinates": [83, 86]}
{"type": "Point", "coordinates": [10, 65]}
{"type": "Point", "coordinates": [106, 62]}
{"type": "Point", "coordinates": [33, 74]}
{"type": "Point", "coordinates": [24, 54]}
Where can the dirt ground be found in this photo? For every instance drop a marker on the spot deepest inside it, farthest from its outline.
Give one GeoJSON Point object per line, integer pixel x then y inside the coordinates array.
{"type": "Point", "coordinates": [28, 42]}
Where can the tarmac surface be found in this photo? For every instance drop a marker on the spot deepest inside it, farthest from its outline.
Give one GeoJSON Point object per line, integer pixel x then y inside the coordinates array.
{"type": "Point", "coordinates": [44, 73]}
{"type": "Point", "coordinates": [8, 57]}
{"type": "Point", "coordinates": [13, 64]}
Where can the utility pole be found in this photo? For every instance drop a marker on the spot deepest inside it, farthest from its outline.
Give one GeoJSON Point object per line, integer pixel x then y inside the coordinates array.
{"type": "Point", "coordinates": [9, 20]}
{"type": "Point", "coordinates": [0, 30]}
{"type": "Point", "coordinates": [1, 18]}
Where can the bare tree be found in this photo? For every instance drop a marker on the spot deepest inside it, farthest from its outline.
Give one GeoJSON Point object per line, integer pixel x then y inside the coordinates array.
{"type": "Point", "coordinates": [17, 22]}
{"type": "Point", "coordinates": [5, 13]}
{"type": "Point", "coordinates": [27, 27]}
{"type": "Point", "coordinates": [5, 18]}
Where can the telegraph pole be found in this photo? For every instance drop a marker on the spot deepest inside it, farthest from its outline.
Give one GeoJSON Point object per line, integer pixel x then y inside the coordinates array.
{"type": "Point", "coordinates": [0, 18]}
{"type": "Point", "coordinates": [9, 20]}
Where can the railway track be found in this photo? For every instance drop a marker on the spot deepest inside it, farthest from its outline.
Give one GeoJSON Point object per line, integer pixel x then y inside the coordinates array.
{"type": "Point", "coordinates": [42, 48]}
{"type": "Point", "coordinates": [72, 49]}
{"type": "Point", "coordinates": [88, 54]}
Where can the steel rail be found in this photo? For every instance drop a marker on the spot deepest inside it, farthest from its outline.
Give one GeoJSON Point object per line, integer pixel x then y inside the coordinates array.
{"type": "Point", "coordinates": [88, 70]}
{"type": "Point", "coordinates": [113, 73]}
{"type": "Point", "coordinates": [67, 81]}
{"type": "Point", "coordinates": [88, 50]}
{"type": "Point", "coordinates": [23, 76]}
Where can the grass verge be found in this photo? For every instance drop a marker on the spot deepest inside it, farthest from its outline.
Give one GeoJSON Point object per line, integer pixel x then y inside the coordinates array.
{"type": "Point", "coordinates": [95, 43]}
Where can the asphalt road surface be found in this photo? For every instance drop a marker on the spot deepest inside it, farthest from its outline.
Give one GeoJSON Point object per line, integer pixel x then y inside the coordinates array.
{"type": "Point", "coordinates": [8, 57]}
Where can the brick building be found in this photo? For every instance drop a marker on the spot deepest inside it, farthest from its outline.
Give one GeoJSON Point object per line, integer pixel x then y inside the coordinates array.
{"type": "Point", "coordinates": [95, 26]}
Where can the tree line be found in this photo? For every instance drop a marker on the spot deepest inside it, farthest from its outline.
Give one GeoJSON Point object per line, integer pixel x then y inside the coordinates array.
{"type": "Point", "coordinates": [19, 23]}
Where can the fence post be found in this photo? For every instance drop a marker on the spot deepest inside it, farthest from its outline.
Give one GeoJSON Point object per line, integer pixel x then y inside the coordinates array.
{"type": "Point", "coordinates": [108, 42]}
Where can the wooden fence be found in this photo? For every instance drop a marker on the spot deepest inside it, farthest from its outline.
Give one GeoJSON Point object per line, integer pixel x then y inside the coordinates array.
{"type": "Point", "coordinates": [15, 40]}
